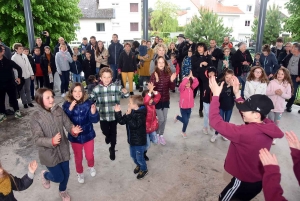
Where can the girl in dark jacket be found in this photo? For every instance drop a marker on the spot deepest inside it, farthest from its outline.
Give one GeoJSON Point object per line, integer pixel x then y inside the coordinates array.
{"type": "Point", "coordinates": [200, 61]}
{"type": "Point", "coordinates": [10, 183]}
{"type": "Point", "coordinates": [163, 81]}
{"type": "Point", "coordinates": [135, 120]}
{"type": "Point", "coordinates": [48, 67]}
{"type": "Point", "coordinates": [241, 61]}
{"type": "Point", "coordinates": [82, 112]}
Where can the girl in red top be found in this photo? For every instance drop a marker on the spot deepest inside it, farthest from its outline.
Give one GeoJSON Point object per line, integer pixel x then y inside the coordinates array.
{"type": "Point", "coordinates": [39, 77]}
{"type": "Point", "coordinates": [151, 98]}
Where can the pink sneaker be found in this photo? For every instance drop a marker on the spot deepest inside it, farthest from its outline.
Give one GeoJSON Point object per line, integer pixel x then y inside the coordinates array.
{"type": "Point", "coordinates": [64, 196]}
{"type": "Point", "coordinates": [158, 139]}
{"type": "Point", "coordinates": [162, 140]}
{"type": "Point", "coordinates": [45, 182]}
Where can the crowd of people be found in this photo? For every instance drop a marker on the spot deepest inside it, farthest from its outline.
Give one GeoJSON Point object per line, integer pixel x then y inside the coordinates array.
{"type": "Point", "coordinates": [222, 76]}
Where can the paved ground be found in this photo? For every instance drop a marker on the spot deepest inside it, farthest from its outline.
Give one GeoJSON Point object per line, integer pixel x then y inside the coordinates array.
{"type": "Point", "coordinates": [185, 169]}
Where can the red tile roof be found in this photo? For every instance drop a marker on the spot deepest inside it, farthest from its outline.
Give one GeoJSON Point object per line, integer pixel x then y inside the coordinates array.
{"type": "Point", "coordinates": [181, 12]}
{"type": "Point", "coordinates": [217, 7]}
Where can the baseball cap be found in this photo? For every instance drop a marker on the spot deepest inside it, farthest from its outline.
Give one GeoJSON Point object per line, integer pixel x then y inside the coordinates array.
{"type": "Point", "coordinates": [257, 103]}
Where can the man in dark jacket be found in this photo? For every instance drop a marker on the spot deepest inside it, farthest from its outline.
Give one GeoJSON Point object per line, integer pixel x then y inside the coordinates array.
{"type": "Point", "coordinates": [92, 46]}
{"type": "Point", "coordinates": [114, 49]}
{"type": "Point", "coordinates": [39, 43]}
{"type": "Point", "coordinates": [180, 47]}
{"type": "Point", "coordinates": [8, 84]}
{"type": "Point", "coordinates": [215, 53]}
{"type": "Point", "coordinates": [61, 40]}
{"type": "Point", "coordinates": [292, 62]}
{"type": "Point", "coordinates": [278, 48]}
{"type": "Point", "coordinates": [7, 52]}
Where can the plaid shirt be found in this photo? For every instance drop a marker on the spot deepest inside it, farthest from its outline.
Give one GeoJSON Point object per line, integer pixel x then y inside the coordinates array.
{"type": "Point", "coordinates": [106, 97]}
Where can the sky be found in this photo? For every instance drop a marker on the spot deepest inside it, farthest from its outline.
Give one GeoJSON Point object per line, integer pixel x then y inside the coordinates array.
{"type": "Point", "coordinates": [151, 3]}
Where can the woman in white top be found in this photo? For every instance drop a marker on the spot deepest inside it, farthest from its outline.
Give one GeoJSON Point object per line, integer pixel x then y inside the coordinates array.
{"type": "Point", "coordinates": [256, 83]}
{"type": "Point", "coordinates": [101, 56]}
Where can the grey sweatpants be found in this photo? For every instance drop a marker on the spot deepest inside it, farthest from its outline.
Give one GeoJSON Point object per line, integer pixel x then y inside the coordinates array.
{"type": "Point", "coordinates": [25, 92]}
{"type": "Point", "coordinates": [275, 116]}
{"type": "Point", "coordinates": [162, 120]}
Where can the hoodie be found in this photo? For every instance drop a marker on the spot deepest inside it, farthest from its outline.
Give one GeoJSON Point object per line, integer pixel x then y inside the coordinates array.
{"type": "Point", "coordinates": [186, 99]}
{"type": "Point", "coordinates": [269, 63]}
{"type": "Point", "coordinates": [242, 160]}
{"type": "Point", "coordinates": [62, 60]}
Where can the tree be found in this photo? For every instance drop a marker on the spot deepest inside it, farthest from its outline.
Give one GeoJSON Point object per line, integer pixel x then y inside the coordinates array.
{"type": "Point", "coordinates": [55, 16]}
{"type": "Point", "coordinates": [164, 17]}
{"type": "Point", "coordinates": [206, 27]}
{"type": "Point", "coordinates": [292, 24]}
{"type": "Point", "coordinates": [272, 25]}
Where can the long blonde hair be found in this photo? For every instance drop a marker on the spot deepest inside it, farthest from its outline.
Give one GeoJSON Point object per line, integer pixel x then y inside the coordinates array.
{"type": "Point", "coordinates": [160, 46]}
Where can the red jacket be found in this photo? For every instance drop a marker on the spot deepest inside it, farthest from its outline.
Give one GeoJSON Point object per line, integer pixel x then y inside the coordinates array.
{"type": "Point", "coordinates": [151, 120]}
{"type": "Point", "coordinates": [242, 160]}
{"type": "Point", "coordinates": [271, 180]}
{"type": "Point", "coordinates": [187, 94]}
{"type": "Point", "coordinates": [163, 86]}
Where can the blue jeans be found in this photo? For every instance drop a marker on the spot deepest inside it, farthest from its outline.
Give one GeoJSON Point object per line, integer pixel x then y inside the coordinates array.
{"type": "Point", "coordinates": [137, 154]}
{"type": "Point", "coordinates": [114, 68]}
{"type": "Point", "coordinates": [242, 81]}
{"type": "Point", "coordinates": [295, 85]}
{"type": "Point", "coordinates": [151, 137]}
{"type": "Point", "coordinates": [76, 77]}
{"type": "Point", "coordinates": [97, 70]}
{"type": "Point", "coordinates": [226, 115]}
{"type": "Point", "coordinates": [184, 118]}
{"type": "Point", "coordinates": [59, 174]}
{"type": "Point", "coordinates": [65, 78]}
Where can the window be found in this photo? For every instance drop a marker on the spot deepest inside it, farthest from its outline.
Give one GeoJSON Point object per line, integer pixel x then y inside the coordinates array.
{"type": "Point", "coordinates": [134, 26]}
{"type": "Point", "coordinates": [247, 23]}
{"type": "Point", "coordinates": [134, 7]}
{"type": "Point", "coordinates": [115, 4]}
{"type": "Point", "coordinates": [249, 8]}
{"type": "Point", "coordinates": [100, 26]}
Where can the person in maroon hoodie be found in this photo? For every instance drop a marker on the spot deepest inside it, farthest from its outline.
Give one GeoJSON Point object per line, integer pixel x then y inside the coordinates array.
{"type": "Point", "coordinates": [242, 160]}
{"type": "Point", "coordinates": [271, 178]}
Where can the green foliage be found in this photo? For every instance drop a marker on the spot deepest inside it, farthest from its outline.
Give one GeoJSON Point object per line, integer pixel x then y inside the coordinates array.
{"type": "Point", "coordinates": [55, 16]}
{"type": "Point", "coordinates": [272, 28]}
{"type": "Point", "coordinates": [206, 27]}
{"type": "Point", "coordinates": [292, 24]}
{"type": "Point", "coordinates": [164, 17]}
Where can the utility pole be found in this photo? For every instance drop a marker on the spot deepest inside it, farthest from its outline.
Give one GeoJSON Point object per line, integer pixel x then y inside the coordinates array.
{"type": "Point", "coordinates": [145, 19]}
{"type": "Point", "coordinates": [261, 25]}
{"type": "Point", "coordinates": [29, 23]}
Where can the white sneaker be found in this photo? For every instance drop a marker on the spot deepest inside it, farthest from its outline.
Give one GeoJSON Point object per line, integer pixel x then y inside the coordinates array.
{"type": "Point", "coordinates": [213, 138]}
{"type": "Point", "coordinates": [80, 178]}
{"type": "Point", "coordinates": [205, 131]}
{"type": "Point", "coordinates": [63, 95]}
{"type": "Point", "coordinates": [92, 171]}
{"type": "Point", "coordinates": [274, 142]}
{"type": "Point", "coordinates": [224, 138]}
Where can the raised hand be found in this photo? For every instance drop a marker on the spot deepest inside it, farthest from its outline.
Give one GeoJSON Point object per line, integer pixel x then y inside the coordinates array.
{"type": "Point", "coordinates": [204, 63]}
{"type": "Point", "coordinates": [117, 108]}
{"type": "Point", "coordinates": [76, 130]}
{"type": "Point", "coordinates": [234, 82]}
{"type": "Point", "coordinates": [292, 140]}
{"type": "Point", "coordinates": [191, 74]}
{"type": "Point", "coordinates": [32, 166]}
{"type": "Point", "coordinates": [214, 87]}
{"type": "Point", "coordinates": [56, 139]}
{"type": "Point", "coordinates": [93, 109]}
{"type": "Point", "coordinates": [267, 158]}
{"type": "Point", "coordinates": [150, 87]}
{"type": "Point", "coordinates": [128, 111]}
{"type": "Point", "coordinates": [173, 77]}
{"type": "Point", "coordinates": [72, 105]}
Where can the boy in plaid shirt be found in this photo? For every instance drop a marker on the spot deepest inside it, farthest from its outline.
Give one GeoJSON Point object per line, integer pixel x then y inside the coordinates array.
{"type": "Point", "coordinates": [106, 95]}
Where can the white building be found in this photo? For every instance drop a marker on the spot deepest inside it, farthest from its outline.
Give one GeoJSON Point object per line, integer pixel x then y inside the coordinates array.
{"type": "Point", "coordinates": [102, 18]}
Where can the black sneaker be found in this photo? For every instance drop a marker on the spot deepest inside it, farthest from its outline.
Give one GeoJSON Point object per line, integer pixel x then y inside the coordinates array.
{"type": "Point", "coordinates": [173, 91]}
{"type": "Point", "coordinates": [145, 156]}
{"type": "Point", "coordinates": [25, 106]}
{"type": "Point", "coordinates": [112, 154]}
{"type": "Point", "coordinates": [200, 113]}
{"type": "Point", "coordinates": [107, 141]}
{"type": "Point", "coordinates": [136, 169]}
{"type": "Point", "coordinates": [142, 174]}
{"type": "Point", "coordinates": [131, 93]}
{"type": "Point", "coordinates": [289, 109]}
{"type": "Point", "coordinates": [30, 105]}
{"type": "Point", "coordinates": [9, 112]}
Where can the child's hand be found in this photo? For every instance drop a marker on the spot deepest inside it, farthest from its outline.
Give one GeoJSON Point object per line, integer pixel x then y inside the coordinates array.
{"type": "Point", "coordinates": [173, 77]}
{"type": "Point", "coordinates": [124, 91]}
{"type": "Point", "coordinates": [278, 92]}
{"type": "Point", "coordinates": [191, 74]}
{"type": "Point", "coordinates": [56, 139]}
{"type": "Point", "coordinates": [150, 101]}
{"type": "Point", "coordinates": [32, 166]}
{"type": "Point", "coordinates": [93, 109]}
{"type": "Point", "coordinates": [117, 108]}
{"type": "Point", "coordinates": [267, 158]}
{"type": "Point", "coordinates": [72, 105]}
{"type": "Point", "coordinates": [156, 76]}
{"type": "Point", "coordinates": [234, 82]}
{"type": "Point", "coordinates": [128, 111]}
{"type": "Point", "coordinates": [215, 88]}
{"type": "Point", "coordinates": [76, 130]}
{"type": "Point", "coordinates": [150, 87]}
{"type": "Point", "coordinates": [292, 140]}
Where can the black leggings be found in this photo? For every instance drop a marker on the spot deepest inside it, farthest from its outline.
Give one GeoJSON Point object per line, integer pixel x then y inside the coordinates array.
{"type": "Point", "coordinates": [39, 81]}
{"type": "Point", "coordinates": [200, 87]}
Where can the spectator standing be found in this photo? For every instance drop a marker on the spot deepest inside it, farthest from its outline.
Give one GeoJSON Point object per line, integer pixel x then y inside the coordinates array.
{"type": "Point", "coordinates": [278, 48]}
{"type": "Point", "coordinates": [27, 73]}
{"type": "Point", "coordinates": [224, 63]}
{"type": "Point", "coordinates": [161, 50]}
{"type": "Point", "coordinates": [39, 77]}
{"type": "Point", "coordinates": [172, 50]}
{"type": "Point", "coordinates": [268, 61]}
{"type": "Point", "coordinates": [48, 67]}
{"type": "Point", "coordinates": [92, 46]}
{"type": "Point", "coordinates": [89, 66]}
{"type": "Point", "coordinates": [283, 55]}
{"type": "Point", "coordinates": [229, 45]}
{"type": "Point", "coordinates": [76, 69]}
{"type": "Point", "coordinates": [82, 47]}
{"type": "Point", "coordinates": [61, 41]}
{"type": "Point", "coordinates": [215, 53]}
{"type": "Point", "coordinates": [114, 51]}
{"type": "Point", "coordinates": [101, 56]}
{"type": "Point", "coordinates": [31, 60]}
{"type": "Point", "coordinates": [39, 43]}
{"type": "Point", "coordinates": [7, 52]}
{"type": "Point", "coordinates": [155, 42]}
